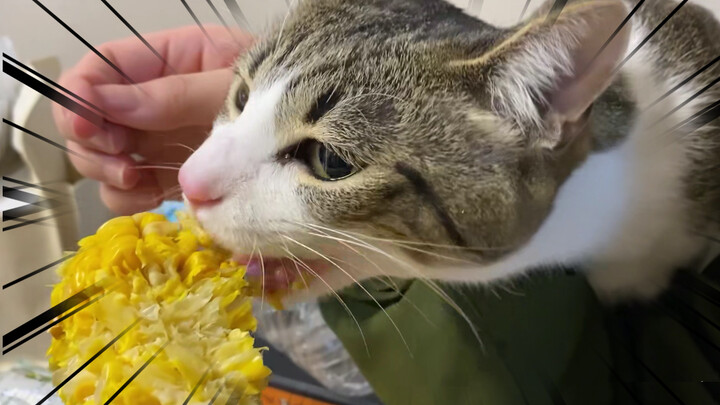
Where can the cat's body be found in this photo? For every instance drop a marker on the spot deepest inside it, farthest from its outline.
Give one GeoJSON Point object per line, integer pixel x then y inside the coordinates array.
{"type": "Point", "coordinates": [645, 201]}
{"type": "Point", "coordinates": [465, 152]}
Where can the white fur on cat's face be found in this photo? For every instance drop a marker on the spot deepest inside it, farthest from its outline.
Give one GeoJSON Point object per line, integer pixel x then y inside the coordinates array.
{"type": "Point", "coordinates": [255, 207]}
{"type": "Point", "coordinates": [236, 165]}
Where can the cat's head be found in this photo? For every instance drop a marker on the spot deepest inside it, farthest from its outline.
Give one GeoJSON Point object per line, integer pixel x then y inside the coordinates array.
{"type": "Point", "coordinates": [400, 137]}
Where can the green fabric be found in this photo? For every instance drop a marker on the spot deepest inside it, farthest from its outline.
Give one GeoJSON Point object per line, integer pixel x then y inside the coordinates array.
{"type": "Point", "coordinates": [545, 340]}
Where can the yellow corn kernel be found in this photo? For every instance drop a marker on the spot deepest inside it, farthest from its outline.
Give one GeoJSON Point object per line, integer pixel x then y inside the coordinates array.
{"type": "Point", "coordinates": [187, 297]}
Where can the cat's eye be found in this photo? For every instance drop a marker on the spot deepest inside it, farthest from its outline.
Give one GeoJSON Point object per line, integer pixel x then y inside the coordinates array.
{"type": "Point", "coordinates": [326, 164]}
{"type": "Point", "coordinates": [241, 96]}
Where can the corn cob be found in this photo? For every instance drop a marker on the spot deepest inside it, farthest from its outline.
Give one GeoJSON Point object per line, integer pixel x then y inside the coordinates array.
{"type": "Point", "coordinates": [190, 305]}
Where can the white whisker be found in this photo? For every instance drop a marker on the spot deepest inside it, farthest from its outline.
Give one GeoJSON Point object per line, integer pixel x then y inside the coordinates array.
{"type": "Point", "coordinates": [425, 252]}
{"type": "Point", "coordinates": [282, 27]}
{"type": "Point", "coordinates": [337, 296]}
{"type": "Point", "coordinates": [262, 284]}
{"type": "Point", "coordinates": [183, 146]}
{"type": "Point", "coordinates": [431, 284]}
{"type": "Point", "coordinates": [285, 247]}
{"type": "Point", "coordinates": [438, 245]}
{"type": "Point", "coordinates": [390, 285]}
{"type": "Point", "coordinates": [402, 337]}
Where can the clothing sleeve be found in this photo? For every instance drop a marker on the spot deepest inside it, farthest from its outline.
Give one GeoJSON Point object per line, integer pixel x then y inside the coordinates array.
{"type": "Point", "coordinates": [508, 344]}
{"type": "Point", "coordinates": [543, 340]}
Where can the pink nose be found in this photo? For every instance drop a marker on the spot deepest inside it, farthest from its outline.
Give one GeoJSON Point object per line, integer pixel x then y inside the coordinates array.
{"type": "Point", "coordinates": [200, 191]}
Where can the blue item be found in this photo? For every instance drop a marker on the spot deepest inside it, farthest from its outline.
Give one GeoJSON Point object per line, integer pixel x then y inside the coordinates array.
{"type": "Point", "coordinates": [169, 208]}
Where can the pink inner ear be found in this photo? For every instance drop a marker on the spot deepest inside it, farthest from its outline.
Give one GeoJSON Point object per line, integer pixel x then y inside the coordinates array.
{"type": "Point", "coordinates": [575, 93]}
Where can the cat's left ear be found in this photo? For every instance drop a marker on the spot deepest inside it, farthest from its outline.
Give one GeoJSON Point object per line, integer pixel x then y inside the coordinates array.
{"type": "Point", "coordinates": [548, 72]}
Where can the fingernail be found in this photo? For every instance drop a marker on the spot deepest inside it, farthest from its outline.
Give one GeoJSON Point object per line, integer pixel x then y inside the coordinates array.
{"type": "Point", "coordinates": [118, 176]}
{"type": "Point", "coordinates": [111, 142]}
{"type": "Point", "coordinates": [129, 177]}
{"type": "Point", "coordinates": [118, 97]}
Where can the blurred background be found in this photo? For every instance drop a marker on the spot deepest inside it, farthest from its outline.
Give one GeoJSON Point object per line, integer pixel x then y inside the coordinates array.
{"type": "Point", "coordinates": [36, 39]}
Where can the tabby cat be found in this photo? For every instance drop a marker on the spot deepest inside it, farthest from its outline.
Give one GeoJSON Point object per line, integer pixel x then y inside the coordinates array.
{"type": "Point", "coordinates": [407, 138]}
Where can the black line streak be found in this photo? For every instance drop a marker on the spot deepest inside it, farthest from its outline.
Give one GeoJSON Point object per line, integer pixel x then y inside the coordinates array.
{"type": "Point", "coordinates": [553, 392]}
{"type": "Point", "coordinates": [555, 11]}
{"type": "Point", "coordinates": [639, 361]}
{"type": "Point", "coordinates": [709, 237]}
{"type": "Point", "coordinates": [425, 190]}
{"type": "Point", "coordinates": [25, 222]}
{"type": "Point", "coordinates": [42, 138]}
{"type": "Point", "coordinates": [215, 397]}
{"type": "Point", "coordinates": [197, 21]}
{"type": "Point", "coordinates": [26, 184]}
{"type": "Point", "coordinates": [695, 285]}
{"type": "Point", "coordinates": [34, 204]}
{"type": "Point", "coordinates": [40, 75]}
{"type": "Point", "coordinates": [86, 43]}
{"type": "Point", "coordinates": [137, 34]}
{"type": "Point", "coordinates": [689, 99]}
{"type": "Point", "coordinates": [701, 118]}
{"type": "Point", "coordinates": [235, 396]}
{"type": "Point", "coordinates": [713, 388]}
{"type": "Point", "coordinates": [502, 355]}
{"type": "Point", "coordinates": [87, 363]}
{"type": "Point", "coordinates": [20, 195]}
{"type": "Point", "coordinates": [220, 17]}
{"type": "Point", "coordinates": [617, 30]}
{"type": "Point", "coordinates": [524, 10]}
{"type": "Point", "coordinates": [137, 373]}
{"type": "Point", "coordinates": [40, 270]}
{"type": "Point", "coordinates": [617, 376]}
{"type": "Point", "coordinates": [55, 322]}
{"type": "Point", "coordinates": [472, 4]}
{"type": "Point", "coordinates": [236, 13]}
{"type": "Point", "coordinates": [684, 82]}
{"type": "Point", "coordinates": [677, 318]}
{"type": "Point", "coordinates": [52, 94]}
{"type": "Point", "coordinates": [195, 388]}
{"type": "Point", "coordinates": [647, 38]}
{"type": "Point", "coordinates": [48, 315]}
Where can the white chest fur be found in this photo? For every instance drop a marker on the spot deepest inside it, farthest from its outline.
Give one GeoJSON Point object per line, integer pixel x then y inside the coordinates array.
{"type": "Point", "coordinates": [621, 214]}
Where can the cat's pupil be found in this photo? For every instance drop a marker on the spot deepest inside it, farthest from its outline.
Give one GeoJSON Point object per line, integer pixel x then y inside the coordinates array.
{"type": "Point", "coordinates": [334, 165]}
{"type": "Point", "coordinates": [241, 97]}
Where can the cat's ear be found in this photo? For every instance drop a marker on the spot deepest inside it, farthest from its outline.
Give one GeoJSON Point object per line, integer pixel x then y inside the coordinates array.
{"type": "Point", "coordinates": [548, 72]}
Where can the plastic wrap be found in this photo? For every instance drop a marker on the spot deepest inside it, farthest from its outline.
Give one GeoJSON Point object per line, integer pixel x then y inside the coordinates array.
{"type": "Point", "coordinates": [302, 334]}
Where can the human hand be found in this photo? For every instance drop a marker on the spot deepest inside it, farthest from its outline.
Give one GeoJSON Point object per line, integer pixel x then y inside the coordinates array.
{"type": "Point", "coordinates": [162, 118]}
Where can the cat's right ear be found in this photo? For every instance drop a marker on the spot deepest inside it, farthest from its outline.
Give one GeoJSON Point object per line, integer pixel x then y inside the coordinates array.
{"type": "Point", "coordinates": [548, 72]}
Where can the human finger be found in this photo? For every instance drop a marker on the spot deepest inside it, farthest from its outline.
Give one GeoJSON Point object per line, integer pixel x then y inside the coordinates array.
{"type": "Point", "coordinates": [167, 103]}
{"type": "Point", "coordinates": [145, 196]}
{"type": "Point", "coordinates": [185, 49]}
{"type": "Point", "coordinates": [115, 170]}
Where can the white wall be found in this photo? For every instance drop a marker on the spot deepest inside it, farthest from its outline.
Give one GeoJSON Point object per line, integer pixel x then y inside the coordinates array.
{"type": "Point", "coordinates": [36, 35]}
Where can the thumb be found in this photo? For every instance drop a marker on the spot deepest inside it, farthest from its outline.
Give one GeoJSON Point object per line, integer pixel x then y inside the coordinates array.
{"type": "Point", "coordinates": [167, 103]}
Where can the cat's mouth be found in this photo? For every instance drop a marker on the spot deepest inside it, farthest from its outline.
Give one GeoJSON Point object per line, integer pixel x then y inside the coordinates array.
{"type": "Point", "coordinates": [280, 273]}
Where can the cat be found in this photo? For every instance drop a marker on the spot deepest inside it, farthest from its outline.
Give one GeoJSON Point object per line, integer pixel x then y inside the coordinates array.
{"type": "Point", "coordinates": [406, 138]}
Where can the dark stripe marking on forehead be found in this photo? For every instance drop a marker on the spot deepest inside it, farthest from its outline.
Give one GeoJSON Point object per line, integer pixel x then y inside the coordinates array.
{"type": "Point", "coordinates": [425, 190]}
{"type": "Point", "coordinates": [257, 59]}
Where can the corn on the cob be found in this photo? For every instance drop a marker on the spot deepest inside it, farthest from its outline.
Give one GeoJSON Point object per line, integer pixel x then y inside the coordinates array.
{"type": "Point", "coordinates": [190, 302]}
